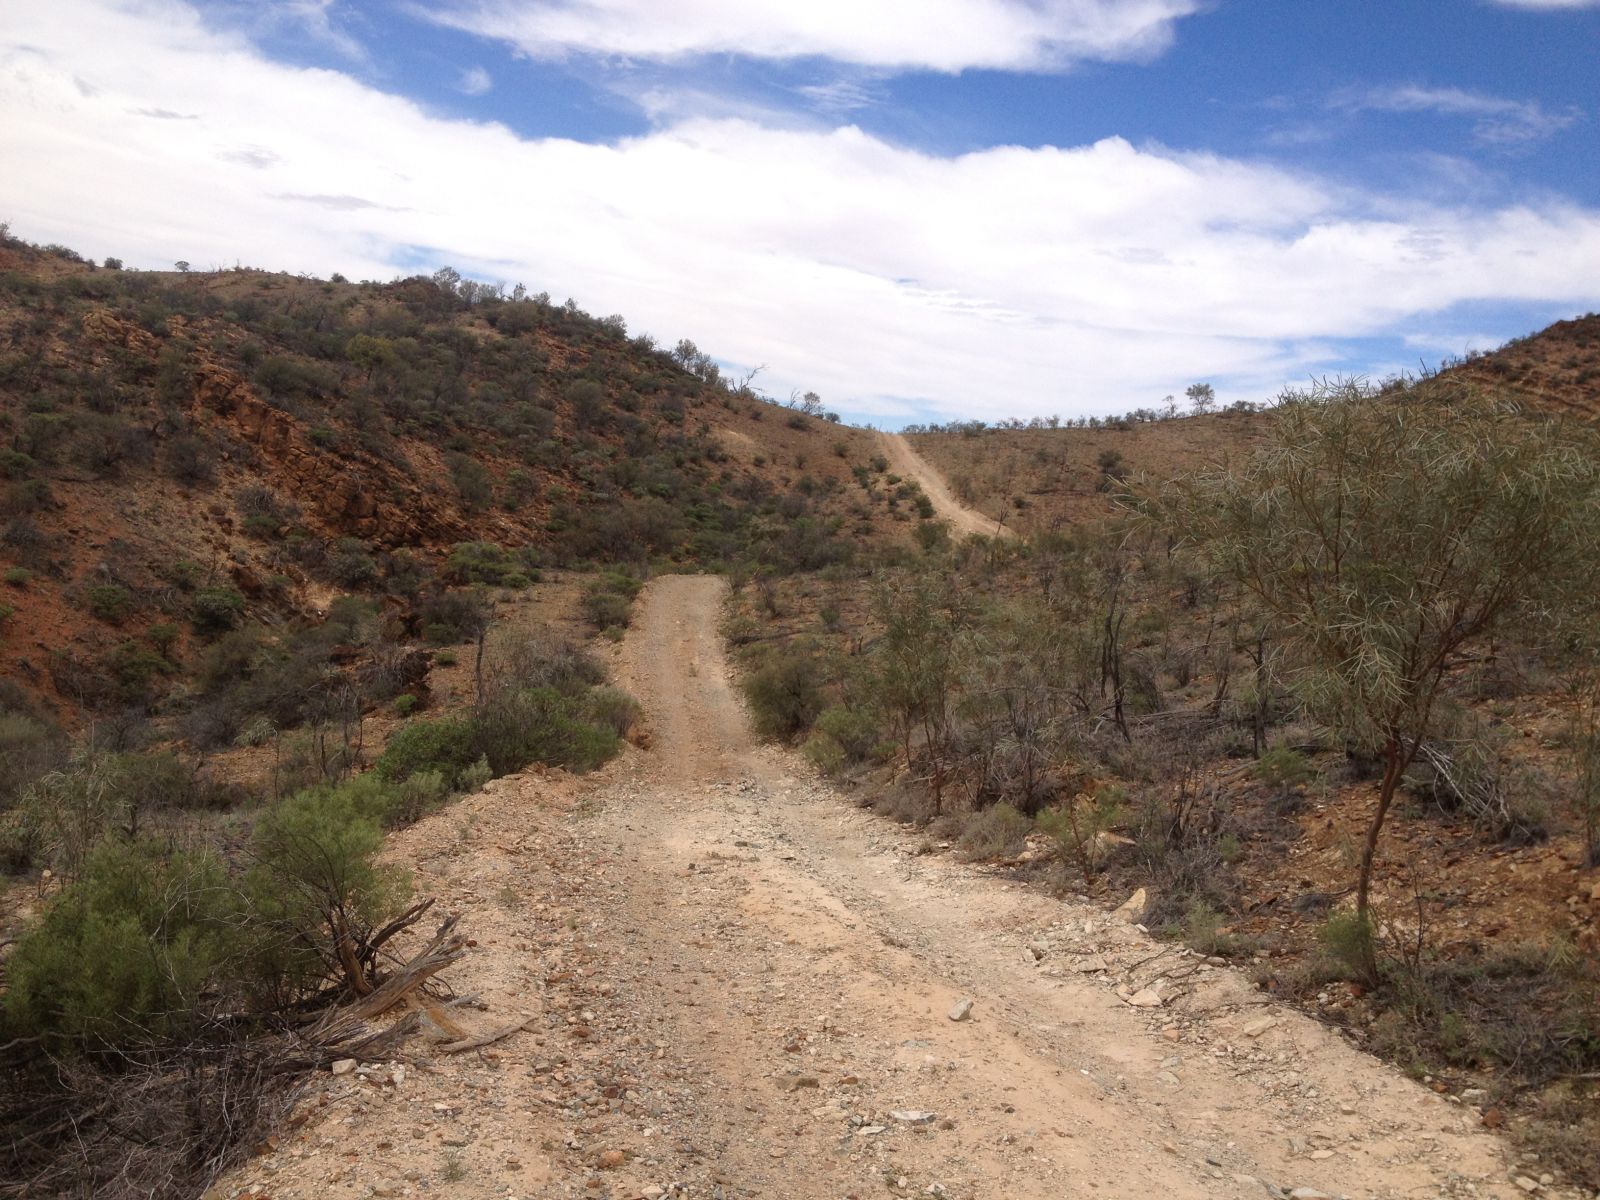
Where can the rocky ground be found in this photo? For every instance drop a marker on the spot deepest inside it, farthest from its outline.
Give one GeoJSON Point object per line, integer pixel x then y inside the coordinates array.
{"type": "Point", "coordinates": [728, 982]}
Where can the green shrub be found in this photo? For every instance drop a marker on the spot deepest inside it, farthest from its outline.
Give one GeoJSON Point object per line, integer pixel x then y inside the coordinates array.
{"type": "Point", "coordinates": [612, 708]}
{"type": "Point", "coordinates": [262, 526]}
{"type": "Point", "coordinates": [998, 831]}
{"type": "Point", "coordinates": [126, 952]}
{"type": "Point", "coordinates": [109, 602]}
{"type": "Point", "coordinates": [453, 617]}
{"type": "Point", "coordinates": [608, 602]}
{"type": "Point", "coordinates": [446, 746]}
{"type": "Point", "coordinates": [216, 609]}
{"type": "Point", "coordinates": [405, 704]}
{"type": "Point", "coordinates": [825, 754]}
{"type": "Point", "coordinates": [351, 564]}
{"type": "Point", "coordinates": [489, 564]}
{"type": "Point", "coordinates": [607, 610]}
{"type": "Point", "coordinates": [785, 695]}
{"type": "Point", "coordinates": [15, 465]}
{"type": "Point", "coordinates": [854, 730]}
{"type": "Point", "coordinates": [1350, 941]}
{"type": "Point", "coordinates": [541, 725]}
{"type": "Point", "coordinates": [1284, 769]}
{"type": "Point", "coordinates": [316, 883]}
{"type": "Point", "coordinates": [18, 576]}
{"type": "Point", "coordinates": [163, 637]}
{"type": "Point", "coordinates": [135, 667]}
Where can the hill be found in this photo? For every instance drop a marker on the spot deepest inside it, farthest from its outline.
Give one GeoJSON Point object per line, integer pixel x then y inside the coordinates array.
{"type": "Point", "coordinates": [186, 453]}
{"type": "Point", "coordinates": [1556, 369]}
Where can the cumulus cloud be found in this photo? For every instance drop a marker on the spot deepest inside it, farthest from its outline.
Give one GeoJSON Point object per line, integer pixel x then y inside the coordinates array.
{"type": "Point", "coordinates": [1497, 120]}
{"type": "Point", "coordinates": [893, 282]}
{"type": "Point", "coordinates": [936, 35]}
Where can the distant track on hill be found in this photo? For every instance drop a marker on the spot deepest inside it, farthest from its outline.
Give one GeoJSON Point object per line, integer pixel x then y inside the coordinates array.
{"type": "Point", "coordinates": [907, 462]}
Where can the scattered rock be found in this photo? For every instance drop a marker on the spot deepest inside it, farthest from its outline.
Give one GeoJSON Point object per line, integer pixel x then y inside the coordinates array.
{"type": "Point", "coordinates": [961, 1009]}
{"type": "Point", "coordinates": [1132, 909]}
{"type": "Point", "coordinates": [1526, 1184]}
{"type": "Point", "coordinates": [913, 1116]}
{"type": "Point", "coordinates": [610, 1160]}
{"type": "Point", "coordinates": [343, 1066]}
{"type": "Point", "coordinates": [1146, 998]}
{"type": "Point", "coordinates": [1306, 1193]}
{"type": "Point", "coordinates": [1255, 1028]}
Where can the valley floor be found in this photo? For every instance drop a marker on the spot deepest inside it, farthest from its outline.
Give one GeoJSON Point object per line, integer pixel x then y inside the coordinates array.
{"type": "Point", "coordinates": [736, 984]}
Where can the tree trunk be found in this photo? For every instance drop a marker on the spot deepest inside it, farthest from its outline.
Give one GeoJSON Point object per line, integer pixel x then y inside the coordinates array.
{"type": "Point", "coordinates": [1393, 767]}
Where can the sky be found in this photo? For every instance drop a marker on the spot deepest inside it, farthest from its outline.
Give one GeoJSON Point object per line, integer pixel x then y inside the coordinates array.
{"type": "Point", "coordinates": [920, 209]}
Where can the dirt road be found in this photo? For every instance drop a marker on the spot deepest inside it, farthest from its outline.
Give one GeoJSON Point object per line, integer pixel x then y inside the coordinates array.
{"type": "Point", "coordinates": [738, 985]}
{"type": "Point", "coordinates": [905, 461]}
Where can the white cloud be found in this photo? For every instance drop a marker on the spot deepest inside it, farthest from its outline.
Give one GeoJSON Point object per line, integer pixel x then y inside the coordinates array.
{"type": "Point", "coordinates": [1008, 280]}
{"type": "Point", "coordinates": [1496, 119]}
{"type": "Point", "coordinates": [938, 35]}
{"type": "Point", "coordinates": [474, 81]}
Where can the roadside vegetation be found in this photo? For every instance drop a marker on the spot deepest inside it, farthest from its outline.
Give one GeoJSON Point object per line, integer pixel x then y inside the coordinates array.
{"type": "Point", "coordinates": [1319, 644]}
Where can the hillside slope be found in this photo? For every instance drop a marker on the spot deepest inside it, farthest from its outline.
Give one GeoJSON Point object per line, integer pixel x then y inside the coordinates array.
{"type": "Point", "coordinates": [1556, 370]}
{"type": "Point", "coordinates": [265, 443]}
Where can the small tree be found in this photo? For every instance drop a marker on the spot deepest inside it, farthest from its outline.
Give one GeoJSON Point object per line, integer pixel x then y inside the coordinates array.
{"type": "Point", "coordinates": [1386, 534]}
{"type": "Point", "coordinates": [1202, 398]}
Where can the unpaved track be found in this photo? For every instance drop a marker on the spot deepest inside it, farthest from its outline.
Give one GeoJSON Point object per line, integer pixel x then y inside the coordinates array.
{"type": "Point", "coordinates": [735, 980]}
{"type": "Point", "coordinates": [905, 461]}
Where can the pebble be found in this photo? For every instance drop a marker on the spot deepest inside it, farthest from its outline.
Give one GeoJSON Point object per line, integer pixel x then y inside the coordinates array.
{"type": "Point", "coordinates": [914, 1116]}
{"type": "Point", "coordinates": [343, 1066]}
{"type": "Point", "coordinates": [961, 1009]}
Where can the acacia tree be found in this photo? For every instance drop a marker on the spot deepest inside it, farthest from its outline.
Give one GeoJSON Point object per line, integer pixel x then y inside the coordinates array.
{"type": "Point", "coordinates": [1384, 533]}
{"type": "Point", "coordinates": [917, 665]}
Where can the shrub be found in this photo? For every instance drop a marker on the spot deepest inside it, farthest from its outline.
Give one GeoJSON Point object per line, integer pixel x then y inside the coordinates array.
{"type": "Point", "coordinates": [316, 887]}
{"type": "Point", "coordinates": [18, 576]}
{"type": "Point", "coordinates": [261, 526]}
{"type": "Point", "coordinates": [446, 746]}
{"type": "Point", "coordinates": [472, 481]}
{"type": "Point", "coordinates": [855, 731]}
{"type": "Point", "coordinates": [215, 609]}
{"type": "Point", "coordinates": [351, 563]}
{"type": "Point", "coordinates": [612, 708]}
{"type": "Point", "coordinates": [125, 953]}
{"type": "Point", "coordinates": [541, 725]}
{"type": "Point", "coordinates": [607, 610]}
{"type": "Point", "coordinates": [998, 831]}
{"type": "Point", "coordinates": [191, 459]}
{"type": "Point", "coordinates": [109, 602]}
{"type": "Point", "coordinates": [1350, 941]}
{"type": "Point", "coordinates": [405, 704]}
{"type": "Point", "coordinates": [608, 602]}
{"type": "Point", "coordinates": [135, 666]}
{"type": "Point", "coordinates": [824, 754]}
{"type": "Point", "coordinates": [489, 564]}
{"type": "Point", "coordinates": [784, 694]}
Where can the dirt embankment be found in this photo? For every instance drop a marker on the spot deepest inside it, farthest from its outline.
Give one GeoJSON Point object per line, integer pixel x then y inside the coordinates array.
{"type": "Point", "coordinates": [736, 985]}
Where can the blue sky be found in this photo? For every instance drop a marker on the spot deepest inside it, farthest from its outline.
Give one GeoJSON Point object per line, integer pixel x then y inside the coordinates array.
{"type": "Point", "coordinates": [918, 208]}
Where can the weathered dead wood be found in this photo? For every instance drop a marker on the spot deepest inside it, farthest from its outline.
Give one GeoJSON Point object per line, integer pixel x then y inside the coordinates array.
{"type": "Point", "coordinates": [486, 1039]}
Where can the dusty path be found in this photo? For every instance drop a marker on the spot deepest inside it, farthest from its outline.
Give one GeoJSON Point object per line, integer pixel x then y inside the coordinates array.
{"type": "Point", "coordinates": [737, 985]}
{"type": "Point", "coordinates": [905, 461]}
